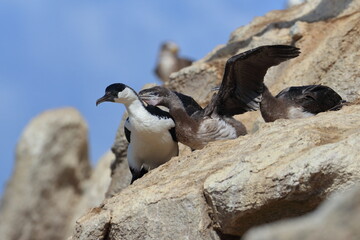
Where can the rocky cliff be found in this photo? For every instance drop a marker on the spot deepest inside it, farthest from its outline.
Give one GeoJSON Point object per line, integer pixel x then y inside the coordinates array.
{"type": "Point", "coordinates": [53, 183]}
{"type": "Point", "coordinates": [278, 171]}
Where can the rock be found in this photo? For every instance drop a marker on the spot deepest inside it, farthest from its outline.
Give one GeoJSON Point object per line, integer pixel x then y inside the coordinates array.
{"type": "Point", "coordinates": [96, 187]}
{"type": "Point", "coordinates": [276, 21]}
{"type": "Point", "coordinates": [47, 184]}
{"type": "Point", "coordinates": [197, 81]}
{"type": "Point", "coordinates": [337, 218]}
{"type": "Point", "coordinates": [284, 175]}
{"type": "Point", "coordinates": [284, 169]}
{"type": "Point", "coordinates": [120, 173]}
{"type": "Point", "coordinates": [100, 225]}
{"type": "Point", "coordinates": [53, 183]}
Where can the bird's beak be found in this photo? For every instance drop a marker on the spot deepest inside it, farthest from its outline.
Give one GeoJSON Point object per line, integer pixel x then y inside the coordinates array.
{"type": "Point", "coordinates": [149, 98]}
{"type": "Point", "coordinates": [106, 98]}
{"type": "Point", "coordinates": [174, 50]}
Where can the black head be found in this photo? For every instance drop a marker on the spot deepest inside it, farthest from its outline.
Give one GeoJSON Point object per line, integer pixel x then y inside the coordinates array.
{"type": "Point", "coordinates": [115, 87]}
{"type": "Point", "coordinates": [117, 92]}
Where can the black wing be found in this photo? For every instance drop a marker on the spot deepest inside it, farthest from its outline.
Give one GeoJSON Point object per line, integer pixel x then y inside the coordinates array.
{"type": "Point", "coordinates": [190, 105]}
{"type": "Point", "coordinates": [162, 114]}
{"type": "Point", "coordinates": [242, 83]}
{"type": "Point", "coordinates": [127, 131]}
{"type": "Point", "coordinates": [312, 98]}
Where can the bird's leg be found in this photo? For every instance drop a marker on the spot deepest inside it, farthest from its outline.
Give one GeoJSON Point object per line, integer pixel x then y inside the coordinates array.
{"type": "Point", "coordinates": [136, 174]}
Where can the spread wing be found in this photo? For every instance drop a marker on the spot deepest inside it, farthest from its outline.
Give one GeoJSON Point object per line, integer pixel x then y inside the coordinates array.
{"type": "Point", "coordinates": [242, 83]}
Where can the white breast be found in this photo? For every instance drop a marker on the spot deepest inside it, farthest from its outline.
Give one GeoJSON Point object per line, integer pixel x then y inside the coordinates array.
{"type": "Point", "coordinates": [167, 62]}
{"type": "Point", "coordinates": [151, 142]}
{"type": "Point", "coordinates": [298, 112]}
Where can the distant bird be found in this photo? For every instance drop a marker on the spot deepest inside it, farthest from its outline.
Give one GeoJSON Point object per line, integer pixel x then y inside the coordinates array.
{"type": "Point", "coordinates": [169, 61]}
{"type": "Point", "coordinates": [240, 91]}
{"type": "Point", "coordinates": [299, 102]}
{"type": "Point", "coordinates": [149, 130]}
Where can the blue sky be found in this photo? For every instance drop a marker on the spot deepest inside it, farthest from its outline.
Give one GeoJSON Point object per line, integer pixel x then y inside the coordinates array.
{"type": "Point", "coordinates": [64, 53]}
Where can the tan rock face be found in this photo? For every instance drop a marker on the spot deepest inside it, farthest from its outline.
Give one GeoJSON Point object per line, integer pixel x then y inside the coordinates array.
{"type": "Point", "coordinates": [120, 173]}
{"type": "Point", "coordinates": [284, 175]}
{"type": "Point", "coordinates": [51, 165]}
{"type": "Point", "coordinates": [53, 183]}
{"type": "Point", "coordinates": [337, 218]}
{"type": "Point", "coordinates": [95, 188]}
{"type": "Point", "coordinates": [285, 169]}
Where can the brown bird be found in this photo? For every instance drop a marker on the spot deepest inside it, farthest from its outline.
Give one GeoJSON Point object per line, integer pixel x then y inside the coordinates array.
{"type": "Point", "coordinates": [240, 91]}
{"type": "Point", "coordinates": [169, 61]}
{"type": "Point", "coordinates": [299, 102]}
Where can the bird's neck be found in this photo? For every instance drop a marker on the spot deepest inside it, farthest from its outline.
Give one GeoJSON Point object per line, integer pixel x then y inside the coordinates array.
{"type": "Point", "coordinates": [167, 54]}
{"type": "Point", "coordinates": [270, 107]}
{"type": "Point", "coordinates": [267, 96]}
{"type": "Point", "coordinates": [178, 112]}
{"type": "Point", "coordinates": [135, 108]}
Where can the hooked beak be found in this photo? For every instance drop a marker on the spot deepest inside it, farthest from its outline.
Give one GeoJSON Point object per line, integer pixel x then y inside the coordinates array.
{"type": "Point", "coordinates": [106, 98]}
{"type": "Point", "coordinates": [174, 50]}
{"type": "Point", "coordinates": [149, 98]}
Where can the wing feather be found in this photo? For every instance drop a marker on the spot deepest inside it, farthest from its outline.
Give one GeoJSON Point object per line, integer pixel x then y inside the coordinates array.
{"type": "Point", "coordinates": [242, 84]}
